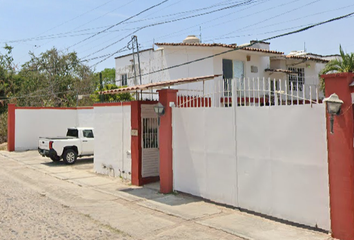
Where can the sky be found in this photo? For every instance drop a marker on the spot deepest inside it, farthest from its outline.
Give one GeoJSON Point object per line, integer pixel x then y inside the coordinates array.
{"type": "Point", "coordinates": [99, 31]}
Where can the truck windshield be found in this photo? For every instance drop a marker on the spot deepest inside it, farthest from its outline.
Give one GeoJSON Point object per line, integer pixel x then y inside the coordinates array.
{"type": "Point", "coordinates": [72, 133]}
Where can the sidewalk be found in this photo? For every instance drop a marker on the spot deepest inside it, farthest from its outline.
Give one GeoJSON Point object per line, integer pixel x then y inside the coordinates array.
{"type": "Point", "coordinates": [141, 212]}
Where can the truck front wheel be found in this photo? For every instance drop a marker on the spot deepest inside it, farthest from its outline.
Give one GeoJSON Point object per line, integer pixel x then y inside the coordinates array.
{"type": "Point", "coordinates": [69, 156]}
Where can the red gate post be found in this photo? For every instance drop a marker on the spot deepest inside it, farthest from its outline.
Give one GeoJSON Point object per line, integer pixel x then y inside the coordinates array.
{"type": "Point", "coordinates": [165, 143]}
{"type": "Point", "coordinates": [11, 127]}
{"type": "Point", "coordinates": [136, 143]}
{"type": "Point", "coordinates": [341, 158]}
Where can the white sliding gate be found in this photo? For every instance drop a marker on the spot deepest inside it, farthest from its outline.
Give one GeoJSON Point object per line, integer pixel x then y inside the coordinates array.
{"type": "Point", "coordinates": [267, 159]}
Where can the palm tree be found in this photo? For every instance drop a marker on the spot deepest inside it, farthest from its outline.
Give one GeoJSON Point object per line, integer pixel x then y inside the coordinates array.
{"type": "Point", "coordinates": [345, 64]}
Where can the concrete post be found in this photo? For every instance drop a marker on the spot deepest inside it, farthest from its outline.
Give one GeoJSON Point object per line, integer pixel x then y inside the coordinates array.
{"type": "Point", "coordinates": [11, 127]}
{"type": "Point", "coordinates": [165, 133]}
{"type": "Point", "coordinates": [341, 158]}
{"type": "Point", "coordinates": [136, 143]}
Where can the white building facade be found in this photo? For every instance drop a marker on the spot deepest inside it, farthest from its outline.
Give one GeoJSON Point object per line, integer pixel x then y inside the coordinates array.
{"type": "Point", "coordinates": [194, 59]}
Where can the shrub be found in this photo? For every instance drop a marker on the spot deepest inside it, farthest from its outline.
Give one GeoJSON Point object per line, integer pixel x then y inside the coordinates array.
{"type": "Point", "coordinates": [3, 127]}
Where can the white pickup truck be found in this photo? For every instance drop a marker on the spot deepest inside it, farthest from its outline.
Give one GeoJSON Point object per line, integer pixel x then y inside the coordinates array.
{"type": "Point", "coordinates": [78, 142]}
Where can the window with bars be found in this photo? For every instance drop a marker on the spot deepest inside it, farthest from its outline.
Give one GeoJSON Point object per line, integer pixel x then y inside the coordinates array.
{"type": "Point", "coordinates": [297, 80]}
{"type": "Point", "coordinates": [150, 133]}
{"type": "Point", "coordinates": [124, 79]}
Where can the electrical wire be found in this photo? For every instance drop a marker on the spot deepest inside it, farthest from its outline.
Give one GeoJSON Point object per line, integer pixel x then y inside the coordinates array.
{"type": "Point", "coordinates": [270, 18]}
{"type": "Point", "coordinates": [171, 21]}
{"type": "Point", "coordinates": [228, 51]}
{"type": "Point", "coordinates": [251, 44]}
{"type": "Point", "coordinates": [114, 25]}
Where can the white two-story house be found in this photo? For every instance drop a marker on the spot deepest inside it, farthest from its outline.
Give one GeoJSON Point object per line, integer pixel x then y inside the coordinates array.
{"type": "Point", "coordinates": [191, 58]}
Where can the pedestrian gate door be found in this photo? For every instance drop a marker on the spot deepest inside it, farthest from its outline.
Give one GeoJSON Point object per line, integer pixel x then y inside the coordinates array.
{"type": "Point", "coordinates": [150, 142]}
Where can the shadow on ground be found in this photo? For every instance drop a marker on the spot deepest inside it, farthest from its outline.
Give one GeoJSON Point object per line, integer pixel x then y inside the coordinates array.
{"type": "Point", "coordinates": [153, 194]}
{"type": "Point", "coordinates": [80, 161]}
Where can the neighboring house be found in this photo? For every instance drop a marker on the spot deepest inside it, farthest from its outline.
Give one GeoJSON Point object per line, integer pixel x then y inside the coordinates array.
{"type": "Point", "coordinates": [254, 62]}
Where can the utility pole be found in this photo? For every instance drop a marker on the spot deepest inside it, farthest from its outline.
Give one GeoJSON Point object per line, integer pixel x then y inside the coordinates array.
{"type": "Point", "coordinates": [134, 45]}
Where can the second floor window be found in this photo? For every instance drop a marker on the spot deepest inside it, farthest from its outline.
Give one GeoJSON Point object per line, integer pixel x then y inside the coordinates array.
{"type": "Point", "coordinates": [297, 79]}
{"type": "Point", "coordinates": [124, 78]}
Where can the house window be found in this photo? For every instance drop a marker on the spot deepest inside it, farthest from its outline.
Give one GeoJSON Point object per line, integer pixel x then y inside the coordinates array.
{"type": "Point", "coordinates": [297, 79]}
{"type": "Point", "coordinates": [227, 76]}
{"type": "Point", "coordinates": [124, 79]}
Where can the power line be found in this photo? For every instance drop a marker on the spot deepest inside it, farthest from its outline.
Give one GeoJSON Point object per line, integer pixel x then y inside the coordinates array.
{"type": "Point", "coordinates": [61, 24]}
{"type": "Point", "coordinates": [114, 25]}
{"type": "Point", "coordinates": [270, 18]}
{"type": "Point", "coordinates": [246, 2]}
{"type": "Point", "coordinates": [251, 44]}
{"type": "Point", "coordinates": [232, 50]}
{"type": "Point", "coordinates": [185, 12]}
{"type": "Point", "coordinates": [258, 2]}
{"type": "Point", "coordinates": [121, 6]}
{"type": "Point", "coordinates": [60, 35]}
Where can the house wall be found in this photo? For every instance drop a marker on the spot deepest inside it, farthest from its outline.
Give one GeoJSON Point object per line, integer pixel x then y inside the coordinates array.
{"type": "Point", "coordinates": [174, 55]}
{"type": "Point", "coordinates": [271, 160]}
{"type": "Point", "coordinates": [113, 140]}
{"type": "Point", "coordinates": [32, 123]}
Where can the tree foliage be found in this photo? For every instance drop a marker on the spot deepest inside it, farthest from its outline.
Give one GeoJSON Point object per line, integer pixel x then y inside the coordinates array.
{"type": "Point", "coordinates": [344, 64]}
{"type": "Point", "coordinates": [54, 79]}
{"type": "Point", "coordinates": [108, 76]}
{"type": "Point", "coordinates": [9, 80]}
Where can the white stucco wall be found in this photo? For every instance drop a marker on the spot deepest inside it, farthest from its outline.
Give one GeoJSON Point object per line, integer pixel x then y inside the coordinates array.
{"type": "Point", "coordinates": [30, 124]}
{"type": "Point", "coordinates": [113, 140]}
{"type": "Point", "coordinates": [271, 160]}
{"type": "Point", "coordinates": [85, 117]}
{"type": "Point", "coordinates": [204, 154]}
{"type": "Point", "coordinates": [168, 56]}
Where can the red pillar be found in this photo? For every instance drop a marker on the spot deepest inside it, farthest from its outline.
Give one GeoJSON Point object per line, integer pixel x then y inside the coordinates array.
{"type": "Point", "coordinates": [341, 158]}
{"type": "Point", "coordinates": [165, 133]}
{"type": "Point", "coordinates": [136, 143]}
{"type": "Point", "coordinates": [11, 127]}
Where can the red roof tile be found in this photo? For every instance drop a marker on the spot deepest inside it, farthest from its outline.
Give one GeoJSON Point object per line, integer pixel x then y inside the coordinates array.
{"type": "Point", "coordinates": [308, 58]}
{"type": "Point", "coordinates": [220, 45]}
{"type": "Point", "coordinates": [279, 70]}
{"type": "Point", "coordinates": [159, 84]}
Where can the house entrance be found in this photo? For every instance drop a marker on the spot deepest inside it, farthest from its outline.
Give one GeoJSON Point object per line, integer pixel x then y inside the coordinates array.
{"type": "Point", "coordinates": [149, 142]}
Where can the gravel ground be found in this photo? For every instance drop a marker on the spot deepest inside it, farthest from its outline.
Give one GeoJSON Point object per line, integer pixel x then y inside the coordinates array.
{"type": "Point", "coordinates": [26, 214]}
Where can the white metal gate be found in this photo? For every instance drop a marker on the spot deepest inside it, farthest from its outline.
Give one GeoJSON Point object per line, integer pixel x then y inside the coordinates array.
{"type": "Point", "coordinates": [149, 142]}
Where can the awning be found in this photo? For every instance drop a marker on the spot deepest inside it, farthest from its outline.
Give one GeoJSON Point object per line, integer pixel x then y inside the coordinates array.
{"type": "Point", "coordinates": [159, 85]}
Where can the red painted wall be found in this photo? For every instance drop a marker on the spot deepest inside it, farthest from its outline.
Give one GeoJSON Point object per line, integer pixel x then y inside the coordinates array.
{"type": "Point", "coordinates": [136, 143]}
{"type": "Point", "coordinates": [187, 101]}
{"type": "Point", "coordinates": [11, 128]}
{"type": "Point", "coordinates": [165, 133]}
{"type": "Point", "coordinates": [136, 148]}
{"type": "Point", "coordinates": [341, 158]}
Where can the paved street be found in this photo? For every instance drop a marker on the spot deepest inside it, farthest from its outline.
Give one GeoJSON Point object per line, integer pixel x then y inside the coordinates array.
{"type": "Point", "coordinates": [40, 199]}
{"type": "Point", "coordinates": [27, 214]}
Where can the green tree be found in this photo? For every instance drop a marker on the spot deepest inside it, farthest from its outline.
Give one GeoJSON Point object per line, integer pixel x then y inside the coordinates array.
{"type": "Point", "coordinates": [344, 64]}
{"type": "Point", "coordinates": [9, 80]}
{"type": "Point", "coordinates": [9, 85]}
{"type": "Point", "coordinates": [108, 76]}
{"type": "Point", "coordinates": [54, 78]}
